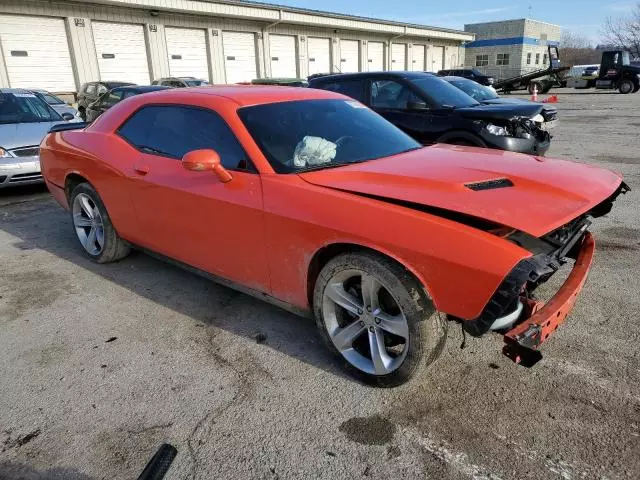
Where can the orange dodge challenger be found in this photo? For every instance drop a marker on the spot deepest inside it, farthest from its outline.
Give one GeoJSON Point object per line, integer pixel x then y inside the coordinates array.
{"type": "Point", "coordinates": [310, 200]}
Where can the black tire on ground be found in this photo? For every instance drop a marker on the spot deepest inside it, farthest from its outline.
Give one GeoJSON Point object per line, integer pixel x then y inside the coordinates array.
{"type": "Point", "coordinates": [427, 330]}
{"type": "Point", "coordinates": [626, 86]}
{"type": "Point", "coordinates": [114, 248]}
{"type": "Point", "coordinates": [83, 114]}
{"type": "Point", "coordinates": [545, 88]}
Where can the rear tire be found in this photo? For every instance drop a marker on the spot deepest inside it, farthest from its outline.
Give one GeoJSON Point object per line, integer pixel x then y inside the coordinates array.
{"type": "Point", "coordinates": [626, 86]}
{"type": "Point", "coordinates": [93, 227]}
{"type": "Point", "coordinates": [83, 114]}
{"type": "Point", "coordinates": [377, 318]}
{"type": "Point", "coordinates": [535, 84]}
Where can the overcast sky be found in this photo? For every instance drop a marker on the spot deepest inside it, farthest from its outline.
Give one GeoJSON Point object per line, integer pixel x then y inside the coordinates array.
{"type": "Point", "coordinates": [585, 16]}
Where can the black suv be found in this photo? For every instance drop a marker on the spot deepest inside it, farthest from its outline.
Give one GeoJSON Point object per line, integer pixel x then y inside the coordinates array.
{"type": "Point", "coordinates": [91, 91]}
{"type": "Point", "coordinates": [470, 73]}
{"type": "Point", "coordinates": [434, 111]}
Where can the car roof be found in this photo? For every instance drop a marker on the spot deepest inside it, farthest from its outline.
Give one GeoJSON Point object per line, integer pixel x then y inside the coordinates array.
{"type": "Point", "coordinates": [396, 74]}
{"type": "Point", "coordinates": [115, 83]}
{"type": "Point", "coordinates": [142, 88]}
{"type": "Point", "coordinates": [450, 78]}
{"type": "Point", "coordinates": [246, 95]}
{"type": "Point", "coordinates": [15, 90]}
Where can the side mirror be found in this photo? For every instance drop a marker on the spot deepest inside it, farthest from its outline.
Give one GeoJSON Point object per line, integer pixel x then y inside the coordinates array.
{"type": "Point", "coordinates": [67, 116]}
{"type": "Point", "coordinates": [206, 160]}
{"type": "Point", "coordinates": [417, 105]}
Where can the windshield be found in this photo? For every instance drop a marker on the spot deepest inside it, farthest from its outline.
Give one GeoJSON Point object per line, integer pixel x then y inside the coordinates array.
{"type": "Point", "coordinates": [315, 134]}
{"type": "Point", "coordinates": [442, 93]}
{"type": "Point", "coordinates": [475, 90]}
{"type": "Point", "coordinates": [51, 99]}
{"type": "Point", "coordinates": [25, 108]}
{"type": "Point", "coordinates": [196, 83]}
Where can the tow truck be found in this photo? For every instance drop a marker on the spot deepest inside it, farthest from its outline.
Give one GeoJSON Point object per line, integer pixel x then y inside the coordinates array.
{"type": "Point", "coordinates": [542, 80]}
{"type": "Point", "coordinates": [617, 72]}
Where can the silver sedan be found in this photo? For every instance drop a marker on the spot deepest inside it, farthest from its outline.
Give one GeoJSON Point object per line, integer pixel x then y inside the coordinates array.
{"type": "Point", "coordinates": [24, 121]}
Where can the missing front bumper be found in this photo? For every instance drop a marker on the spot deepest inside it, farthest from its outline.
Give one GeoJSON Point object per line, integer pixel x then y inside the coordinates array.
{"type": "Point", "coordinates": [542, 320]}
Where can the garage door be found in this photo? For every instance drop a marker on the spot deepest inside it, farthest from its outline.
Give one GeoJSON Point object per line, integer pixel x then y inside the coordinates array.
{"type": "Point", "coordinates": [399, 56]}
{"type": "Point", "coordinates": [239, 56]}
{"type": "Point", "coordinates": [418, 61]}
{"type": "Point", "coordinates": [122, 52]}
{"type": "Point", "coordinates": [187, 50]}
{"type": "Point", "coordinates": [319, 53]}
{"type": "Point", "coordinates": [36, 53]}
{"type": "Point", "coordinates": [349, 56]}
{"type": "Point", "coordinates": [282, 49]}
{"type": "Point", "coordinates": [375, 53]}
{"type": "Point", "coordinates": [437, 59]}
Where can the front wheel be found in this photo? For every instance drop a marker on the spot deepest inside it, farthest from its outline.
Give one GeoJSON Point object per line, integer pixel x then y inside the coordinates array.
{"type": "Point", "coordinates": [93, 227]}
{"type": "Point", "coordinates": [626, 86]}
{"type": "Point", "coordinates": [377, 318]}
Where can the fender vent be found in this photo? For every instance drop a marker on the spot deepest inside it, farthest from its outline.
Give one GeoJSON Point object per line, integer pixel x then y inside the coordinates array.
{"type": "Point", "coordinates": [490, 184]}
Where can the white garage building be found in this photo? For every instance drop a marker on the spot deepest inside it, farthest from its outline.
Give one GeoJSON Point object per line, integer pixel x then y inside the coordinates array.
{"type": "Point", "coordinates": [59, 45]}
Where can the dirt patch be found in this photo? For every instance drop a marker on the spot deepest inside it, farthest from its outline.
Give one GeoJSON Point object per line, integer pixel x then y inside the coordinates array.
{"type": "Point", "coordinates": [37, 289]}
{"type": "Point", "coordinates": [19, 441]}
{"type": "Point", "coordinates": [374, 430]}
{"type": "Point", "coordinates": [623, 232]}
{"type": "Point", "coordinates": [604, 245]}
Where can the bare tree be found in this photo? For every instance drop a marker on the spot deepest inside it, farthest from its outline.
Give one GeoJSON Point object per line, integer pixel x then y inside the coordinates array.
{"type": "Point", "coordinates": [625, 31]}
{"type": "Point", "coordinates": [577, 49]}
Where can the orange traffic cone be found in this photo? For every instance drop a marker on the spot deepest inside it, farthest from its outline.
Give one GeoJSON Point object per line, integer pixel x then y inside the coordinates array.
{"type": "Point", "coordinates": [551, 99]}
{"type": "Point", "coordinates": [534, 97]}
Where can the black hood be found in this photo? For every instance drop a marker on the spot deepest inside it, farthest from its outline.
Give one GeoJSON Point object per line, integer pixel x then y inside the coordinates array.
{"type": "Point", "coordinates": [501, 112]}
{"type": "Point", "coordinates": [546, 109]}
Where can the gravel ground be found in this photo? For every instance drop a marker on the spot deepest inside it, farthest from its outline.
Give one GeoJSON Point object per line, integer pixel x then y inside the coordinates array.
{"type": "Point", "coordinates": [103, 363]}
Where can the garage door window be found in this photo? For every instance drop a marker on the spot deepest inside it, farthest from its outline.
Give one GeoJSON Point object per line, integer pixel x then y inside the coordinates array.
{"type": "Point", "coordinates": [350, 88]}
{"type": "Point", "coordinates": [172, 131]}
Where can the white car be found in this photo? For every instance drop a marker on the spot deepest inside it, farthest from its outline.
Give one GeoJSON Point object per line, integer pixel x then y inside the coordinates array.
{"type": "Point", "coordinates": [66, 111]}
{"type": "Point", "coordinates": [24, 121]}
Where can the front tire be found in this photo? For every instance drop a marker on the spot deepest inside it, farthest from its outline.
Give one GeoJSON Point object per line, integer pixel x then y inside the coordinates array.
{"type": "Point", "coordinates": [93, 227]}
{"type": "Point", "coordinates": [626, 86]}
{"type": "Point", "coordinates": [377, 318]}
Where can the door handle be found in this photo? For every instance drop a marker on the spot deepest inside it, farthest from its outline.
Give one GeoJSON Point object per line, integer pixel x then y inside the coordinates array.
{"type": "Point", "coordinates": [141, 169]}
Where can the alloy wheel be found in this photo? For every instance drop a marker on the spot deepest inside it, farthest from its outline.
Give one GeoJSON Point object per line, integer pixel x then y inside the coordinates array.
{"type": "Point", "coordinates": [88, 224]}
{"type": "Point", "coordinates": [365, 322]}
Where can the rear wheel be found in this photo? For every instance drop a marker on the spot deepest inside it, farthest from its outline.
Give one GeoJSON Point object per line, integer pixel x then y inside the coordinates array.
{"type": "Point", "coordinates": [377, 318]}
{"type": "Point", "coordinates": [537, 85]}
{"type": "Point", "coordinates": [626, 86]}
{"type": "Point", "coordinates": [83, 113]}
{"type": "Point", "coordinates": [93, 226]}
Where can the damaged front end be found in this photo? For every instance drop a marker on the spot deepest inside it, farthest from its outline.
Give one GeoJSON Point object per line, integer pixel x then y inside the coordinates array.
{"type": "Point", "coordinates": [518, 134]}
{"type": "Point", "coordinates": [515, 311]}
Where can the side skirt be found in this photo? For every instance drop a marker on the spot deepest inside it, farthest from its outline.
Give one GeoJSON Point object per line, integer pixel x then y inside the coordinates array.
{"type": "Point", "coordinates": [301, 312]}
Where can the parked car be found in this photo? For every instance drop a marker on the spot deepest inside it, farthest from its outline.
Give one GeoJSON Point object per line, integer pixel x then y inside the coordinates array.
{"type": "Point", "coordinates": [66, 111]}
{"type": "Point", "coordinates": [284, 82]}
{"type": "Point", "coordinates": [470, 73]}
{"type": "Point", "coordinates": [546, 120]}
{"type": "Point", "coordinates": [109, 99]}
{"type": "Point", "coordinates": [90, 92]}
{"type": "Point", "coordinates": [180, 82]}
{"type": "Point", "coordinates": [24, 121]}
{"type": "Point", "coordinates": [433, 111]}
{"type": "Point", "coordinates": [308, 199]}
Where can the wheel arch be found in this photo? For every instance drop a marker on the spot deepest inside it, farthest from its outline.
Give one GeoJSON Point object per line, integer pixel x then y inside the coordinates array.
{"type": "Point", "coordinates": [322, 256]}
{"type": "Point", "coordinates": [462, 135]}
{"type": "Point", "coordinates": [71, 181]}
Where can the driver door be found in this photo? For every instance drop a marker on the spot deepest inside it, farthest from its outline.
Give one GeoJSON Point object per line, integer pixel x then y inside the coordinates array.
{"type": "Point", "coordinates": [392, 100]}
{"type": "Point", "coordinates": [192, 216]}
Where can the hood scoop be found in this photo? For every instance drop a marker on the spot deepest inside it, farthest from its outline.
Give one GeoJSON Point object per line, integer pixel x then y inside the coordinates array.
{"type": "Point", "coordinates": [489, 184]}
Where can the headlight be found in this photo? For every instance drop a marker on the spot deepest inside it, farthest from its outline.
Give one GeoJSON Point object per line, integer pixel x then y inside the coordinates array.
{"type": "Point", "coordinates": [4, 153]}
{"type": "Point", "coordinates": [538, 119]}
{"type": "Point", "coordinates": [496, 130]}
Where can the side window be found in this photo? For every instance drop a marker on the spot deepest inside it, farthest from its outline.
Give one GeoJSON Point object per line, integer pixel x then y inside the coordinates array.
{"type": "Point", "coordinates": [91, 89]}
{"type": "Point", "coordinates": [128, 93]}
{"type": "Point", "coordinates": [350, 88]}
{"type": "Point", "coordinates": [102, 89]}
{"type": "Point", "coordinates": [391, 94]}
{"type": "Point", "coordinates": [172, 131]}
{"type": "Point", "coordinates": [111, 98]}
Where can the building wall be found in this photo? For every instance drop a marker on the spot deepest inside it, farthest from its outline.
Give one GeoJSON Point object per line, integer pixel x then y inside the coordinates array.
{"type": "Point", "coordinates": [518, 38]}
{"type": "Point", "coordinates": [79, 16]}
